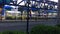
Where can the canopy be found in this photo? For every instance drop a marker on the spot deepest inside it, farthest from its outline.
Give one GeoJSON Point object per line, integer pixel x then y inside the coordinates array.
{"type": "Point", "coordinates": [8, 7]}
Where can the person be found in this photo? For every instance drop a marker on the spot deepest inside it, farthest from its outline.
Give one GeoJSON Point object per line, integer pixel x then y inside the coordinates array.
{"type": "Point", "coordinates": [3, 15]}
{"type": "Point", "coordinates": [0, 13]}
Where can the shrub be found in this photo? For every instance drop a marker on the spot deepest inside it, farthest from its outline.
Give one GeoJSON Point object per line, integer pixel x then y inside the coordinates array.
{"type": "Point", "coordinates": [13, 32]}
{"type": "Point", "coordinates": [58, 25]}
{"type": "Point", "coordinates": [42, 29]}
{"type": "Point", "coordinates": [7, 32]}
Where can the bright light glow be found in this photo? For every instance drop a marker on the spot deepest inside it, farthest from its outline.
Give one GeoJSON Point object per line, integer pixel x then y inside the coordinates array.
{"type": "Point", "coordinates": [10, 6]}
{"type": "Point", "coordinates": [32, 13]}
{"type": "Point", "coordinates": [46, 4]}
{"type": "Point", "coordinates": [13, 6]}
{"type": "Point", "coordinates": [13, 12]}
{"type": "Point", "coordinates": [54, 0]}
{"type": "Point", "coordinates": [20, 3]}
{"type": "Point", "coordinates": [6, 5]}
{"type": "Point", "coordinates": [24, 3]}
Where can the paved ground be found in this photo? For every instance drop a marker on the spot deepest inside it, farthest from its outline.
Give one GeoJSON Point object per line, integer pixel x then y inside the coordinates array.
{"type": "Point", "coordinates": [21, 25]}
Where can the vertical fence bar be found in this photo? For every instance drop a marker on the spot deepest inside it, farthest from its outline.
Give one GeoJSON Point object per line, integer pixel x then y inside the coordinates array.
{"type": "Point", "coordinates": [58, 16]}
{"type": "Point", "coordinates": [28, 3]}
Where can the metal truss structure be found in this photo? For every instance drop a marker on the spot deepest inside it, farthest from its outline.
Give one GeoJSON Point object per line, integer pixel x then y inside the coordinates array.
{"type": "Point", "coordinates": [37, 4]}
{"type": "Point", "coordinates": [45, 6]}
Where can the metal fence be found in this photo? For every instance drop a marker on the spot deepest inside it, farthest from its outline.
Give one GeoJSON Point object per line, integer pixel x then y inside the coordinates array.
{"type": "Point", "coordinates": [32, 13]}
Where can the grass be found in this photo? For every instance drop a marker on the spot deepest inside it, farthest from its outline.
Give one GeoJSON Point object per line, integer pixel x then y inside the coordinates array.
{"type": "Point", "coordinates": [12, 32]}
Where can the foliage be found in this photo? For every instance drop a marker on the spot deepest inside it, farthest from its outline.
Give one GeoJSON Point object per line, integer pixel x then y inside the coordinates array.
{"type": "Point", "coordinates": [42, 29]}
{"type": "Point", "coordinates": [12, 32]}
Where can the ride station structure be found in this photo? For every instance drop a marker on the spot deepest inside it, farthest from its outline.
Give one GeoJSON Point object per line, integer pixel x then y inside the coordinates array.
{"type": "Point", "coordinates": [37, 8]}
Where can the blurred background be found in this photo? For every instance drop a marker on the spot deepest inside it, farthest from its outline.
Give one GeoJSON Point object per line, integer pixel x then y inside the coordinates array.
{"type": "Point", "coordinates": [38, 9]}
